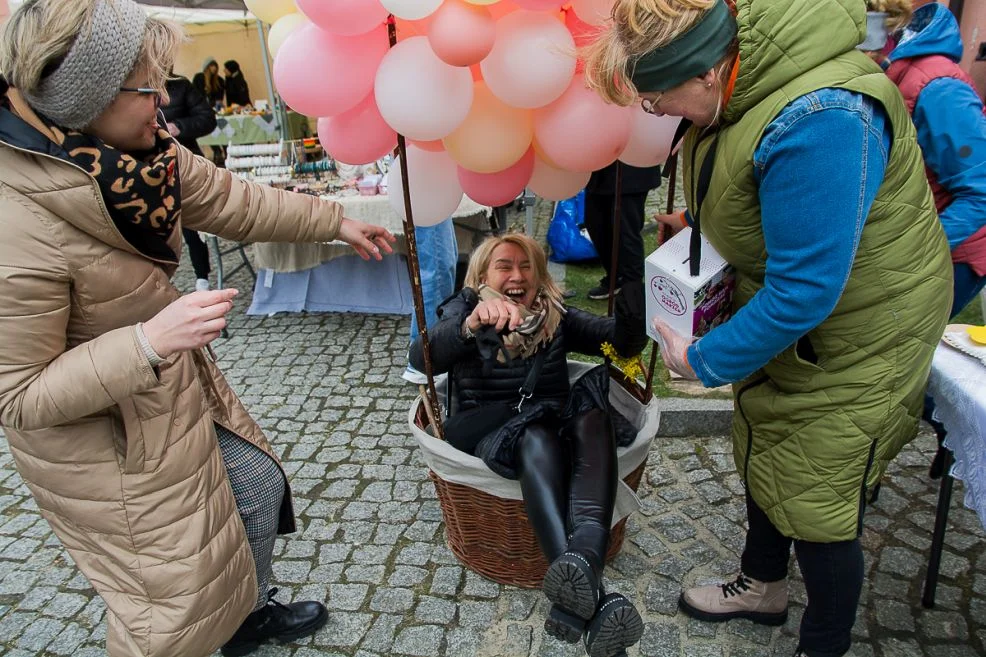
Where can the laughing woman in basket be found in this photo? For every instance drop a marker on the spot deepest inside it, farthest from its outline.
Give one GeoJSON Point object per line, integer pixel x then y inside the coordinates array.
{"type": "Point", "coordinates": [139, 455]}
{"type": "Point", "coordinates": [508, 331]}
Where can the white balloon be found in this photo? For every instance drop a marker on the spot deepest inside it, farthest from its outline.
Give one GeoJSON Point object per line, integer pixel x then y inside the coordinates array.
{"type": "Point", "coordinates": [419, 95]}
{"type": "Point", "coordinates": [532, 61]}
{"type": "Point", "coordinates": [282, 29]}
{"type": "Point", "coordinates": [411, 10]}
{"type": "Point", "coordinates": [650, 138]}
{"type": "Point", "coordinates": [434, 181]}
{"type": "Point", "coordinates": [593, 12]}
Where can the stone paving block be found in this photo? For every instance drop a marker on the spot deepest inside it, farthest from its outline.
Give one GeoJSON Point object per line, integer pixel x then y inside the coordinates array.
{"type": "Point", "coordinates": [419, 641]}
{"type": "Point", "coordinates": [662, 596]}
{"type": "Point", "coordinates": [439, 611]}
{"type": "Point", "coordinates": [519, 638]}
{"type": "Point", "coordinates": [520, 604]}
{"type": "Point", "coordinates": [392, 600]}
{"type": "Point", "coordinates": [343, 629]}
{"type": "Point", "coordinates": [661, 640]}
{"type": "Point", "coordinates": [381, 636]}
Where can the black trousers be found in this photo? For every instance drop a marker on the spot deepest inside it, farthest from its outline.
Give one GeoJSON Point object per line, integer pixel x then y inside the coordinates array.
{"type": "Point", "coordinates": [599, 223]}
{"type": "Point", "coordinates": [569, 479]}
{"type": "Point", "coordinates": [198, 252]}
{"type": "Point", "coordinates": [833, 574]}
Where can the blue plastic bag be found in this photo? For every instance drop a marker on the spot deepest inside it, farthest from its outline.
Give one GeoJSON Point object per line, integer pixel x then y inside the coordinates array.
{"type": "Point", "coordinates": [567, 237]}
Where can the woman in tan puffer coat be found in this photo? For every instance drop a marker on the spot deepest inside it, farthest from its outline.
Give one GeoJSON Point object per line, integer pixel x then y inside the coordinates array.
{"type": "Point", "coordinates": [148, 468]}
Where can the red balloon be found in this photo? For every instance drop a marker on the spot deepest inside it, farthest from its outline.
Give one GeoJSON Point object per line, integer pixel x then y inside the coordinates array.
{"type": "Point", "coordinates": [540, 5]}
{"type": "Point", "coordinates": [359, 136]}
{"type": "Point", "coordinates": [498, 188]}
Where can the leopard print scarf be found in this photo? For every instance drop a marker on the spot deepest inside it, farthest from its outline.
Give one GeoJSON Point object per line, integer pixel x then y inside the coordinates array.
{"type": "Point", "coordinates": [142, 191]}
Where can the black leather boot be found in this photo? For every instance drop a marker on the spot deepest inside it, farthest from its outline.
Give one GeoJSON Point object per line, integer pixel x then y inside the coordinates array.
{"type": "Point", "coordinates": [542, 460]}
{"type": "Point", "coordinates": [284, 623]}
{"type": "Point", "coordinates": [616, 626]}
{"type": "Point", "coordinates": [573, 580]}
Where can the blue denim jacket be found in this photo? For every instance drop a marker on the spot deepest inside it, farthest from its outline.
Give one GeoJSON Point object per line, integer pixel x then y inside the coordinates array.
{"type": "Point", "coordinates": [818, 168]}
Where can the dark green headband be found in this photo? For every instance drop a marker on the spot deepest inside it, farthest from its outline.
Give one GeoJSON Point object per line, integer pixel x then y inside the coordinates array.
{"type": "Point", "coordinates": [688, 56]}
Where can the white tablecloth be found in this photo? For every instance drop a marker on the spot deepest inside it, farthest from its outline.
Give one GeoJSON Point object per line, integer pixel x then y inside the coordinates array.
{"type": "Point", "coordinates": [958, 385]}
{"type": "Point", "coordinates": [470, 217]}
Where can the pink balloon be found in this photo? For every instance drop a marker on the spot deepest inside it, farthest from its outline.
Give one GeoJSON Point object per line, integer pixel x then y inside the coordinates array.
{"type": "Point", "coordinates": [345, 17]}
{"type": "Point", "coordinates": [359, 136]}
{"type": "Point", "coordinates": [435, 146]}
{"type": "Point", "coordinates": [501, 187]}
{"type": "Point", "coordinates": [650, 138]}
{"type": "Point", "coordinates": [322, 74]}
{"type": "Point", "coordinates": [461, 34]}
{"type": "Point", "coordinates": [555, 184]}
{"type": "Point", "coordinates": [580, 131]}
{"type": "Point", "coordinates": [540, 5]}
{"type": "Point", "coordinates": [532, 61]}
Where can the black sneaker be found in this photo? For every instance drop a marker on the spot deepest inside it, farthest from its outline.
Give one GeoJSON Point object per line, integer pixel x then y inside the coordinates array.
{"type": "Point", "coordinates": [284, 623]}
{"type": "Point", "coordinates": [601, 292]}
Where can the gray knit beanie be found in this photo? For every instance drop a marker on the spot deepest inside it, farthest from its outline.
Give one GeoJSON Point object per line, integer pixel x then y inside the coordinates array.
{"type": "Point", "coordinates": [89, 77]}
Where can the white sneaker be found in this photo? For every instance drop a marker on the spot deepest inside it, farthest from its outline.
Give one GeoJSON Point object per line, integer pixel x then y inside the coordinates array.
{"type": "Point", "coordinates": [412, 375]}
{"type": "Point", "coordinates": [201, 284]}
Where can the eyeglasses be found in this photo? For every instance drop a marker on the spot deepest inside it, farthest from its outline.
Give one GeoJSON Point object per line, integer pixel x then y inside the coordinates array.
{"type": "Point", "coordinates": [145, 91]}
{"type": "Point", "coordinates": [649, 105]}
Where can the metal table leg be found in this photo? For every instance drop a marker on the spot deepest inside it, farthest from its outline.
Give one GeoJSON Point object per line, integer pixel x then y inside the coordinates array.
{"type": "Point", "coordinates": [938, 536]}
{"type": "Point", "coordinates": [214, 247]}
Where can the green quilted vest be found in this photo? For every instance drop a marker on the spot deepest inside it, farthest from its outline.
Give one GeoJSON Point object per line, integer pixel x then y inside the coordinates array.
{"type": "Point", "coordinates": [810, 437]}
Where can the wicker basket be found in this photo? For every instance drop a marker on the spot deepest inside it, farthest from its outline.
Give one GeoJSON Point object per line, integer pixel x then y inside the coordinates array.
{"type": "Point", "coordinates": [491, 535]}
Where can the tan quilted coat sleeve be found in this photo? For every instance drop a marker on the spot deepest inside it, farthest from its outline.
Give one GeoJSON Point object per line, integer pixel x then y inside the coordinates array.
{"type": "Point", "coordinates": [219, 202]}
{"type": "Point", "coordinates": [43, 384]}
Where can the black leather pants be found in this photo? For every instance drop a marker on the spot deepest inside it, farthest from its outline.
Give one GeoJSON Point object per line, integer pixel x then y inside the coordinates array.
{"type": "Point", "coordinates": [569, 480]}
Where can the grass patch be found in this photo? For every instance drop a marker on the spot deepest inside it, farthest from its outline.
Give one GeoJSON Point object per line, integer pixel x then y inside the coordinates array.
{"type": "Point", "coordinates": [971, 314]}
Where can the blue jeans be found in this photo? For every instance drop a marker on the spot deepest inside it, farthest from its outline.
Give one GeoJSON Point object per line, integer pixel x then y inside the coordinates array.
{"type": "Point", "coordinates": [438, 253]}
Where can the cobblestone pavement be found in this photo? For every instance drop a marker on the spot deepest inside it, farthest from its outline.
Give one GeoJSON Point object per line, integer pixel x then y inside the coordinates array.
{"type": "Point", "coordinates": [327, 390]}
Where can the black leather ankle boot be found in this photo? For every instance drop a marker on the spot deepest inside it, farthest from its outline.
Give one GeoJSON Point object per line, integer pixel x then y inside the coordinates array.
{"type": "Point", "coordinates": [284, 623]}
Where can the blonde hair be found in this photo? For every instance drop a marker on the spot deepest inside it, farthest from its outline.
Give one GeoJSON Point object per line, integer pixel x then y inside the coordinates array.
{"type": "Point", "coordinates": [898, 12]}
{"type": "Point", "coordinates": [479, 263]}
{"type": "Point", "coordinates": [637, 28]}
{"type": "Point", "coordinates": [40, 33]}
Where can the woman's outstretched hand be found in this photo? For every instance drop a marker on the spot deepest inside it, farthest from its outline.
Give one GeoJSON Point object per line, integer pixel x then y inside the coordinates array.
{"type": "Point", "coordinates": [191, 322]}
{"type": "Point", "coordinates": [674, 349]}
{"type": "Point", "coordinates": [499, 313]}
{"type": "Point", "coordinates": [366, 239]}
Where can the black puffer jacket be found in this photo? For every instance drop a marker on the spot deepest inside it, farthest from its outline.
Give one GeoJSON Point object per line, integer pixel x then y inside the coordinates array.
{"type": "Point", "coordinates": [190, 111]}
{"type": "Point", "coordinates": [579, 331]}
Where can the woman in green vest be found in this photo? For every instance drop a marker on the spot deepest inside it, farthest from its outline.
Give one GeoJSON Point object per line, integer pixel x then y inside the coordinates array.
{"type": "Point", "coordinates": [803, 171]}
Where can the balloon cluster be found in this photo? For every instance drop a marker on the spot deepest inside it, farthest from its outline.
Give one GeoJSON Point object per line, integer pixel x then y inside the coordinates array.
{"type": "Point", "coordinates": [488, 93]}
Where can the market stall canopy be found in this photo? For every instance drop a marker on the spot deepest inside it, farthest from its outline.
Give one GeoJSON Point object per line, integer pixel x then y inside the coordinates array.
{"type": "Point", "coordinates": [192, 12]}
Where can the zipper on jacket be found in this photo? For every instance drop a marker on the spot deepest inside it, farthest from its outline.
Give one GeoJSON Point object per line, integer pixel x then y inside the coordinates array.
{"type": "Point", "coordinates": [862, 488]}
{"type": "Point", "coordinates": [99, 197]}
{"type": "Point", "coordinates": [749, 427]}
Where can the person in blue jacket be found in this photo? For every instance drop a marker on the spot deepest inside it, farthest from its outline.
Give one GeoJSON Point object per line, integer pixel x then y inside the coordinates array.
{"type": "Point", "coordinates": [923, 62]}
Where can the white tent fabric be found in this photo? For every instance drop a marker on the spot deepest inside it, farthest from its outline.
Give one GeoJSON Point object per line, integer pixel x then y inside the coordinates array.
{"type": "Point", "coordinates": [195, 12]}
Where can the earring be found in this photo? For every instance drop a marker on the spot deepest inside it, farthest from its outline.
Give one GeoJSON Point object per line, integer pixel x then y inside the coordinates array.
{"type": "Point", "coordinates": [708, 85]}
